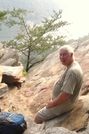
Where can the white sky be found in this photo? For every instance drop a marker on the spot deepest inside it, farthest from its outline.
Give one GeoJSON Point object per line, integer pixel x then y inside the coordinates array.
{"type": "Point", "coordinates": [77, 13]}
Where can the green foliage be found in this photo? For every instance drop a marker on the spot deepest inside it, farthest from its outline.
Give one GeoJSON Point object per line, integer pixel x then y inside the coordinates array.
{"type": "Point", "coordinates": [2, 17]}
{"type": "Point", "coordinates": [35, 41]}
{"type": "Point", "coordinates": [24, 73]}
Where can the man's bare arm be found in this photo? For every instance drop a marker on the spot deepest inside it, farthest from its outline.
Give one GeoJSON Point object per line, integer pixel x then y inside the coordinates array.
{"type": "Point", "coordinates": [60, 99]}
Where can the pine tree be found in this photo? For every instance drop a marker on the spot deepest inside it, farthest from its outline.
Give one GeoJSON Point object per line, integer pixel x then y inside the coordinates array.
{"type": "Point", "coordinates": [2, 17]}
{"type": "Point", "coordinates": [35, 41]}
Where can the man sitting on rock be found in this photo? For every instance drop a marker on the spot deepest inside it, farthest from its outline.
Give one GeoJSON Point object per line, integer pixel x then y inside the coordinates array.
{"type": "Point", "coordinates": [66, 90]}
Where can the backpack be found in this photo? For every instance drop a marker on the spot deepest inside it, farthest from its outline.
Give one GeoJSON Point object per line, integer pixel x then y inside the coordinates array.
{"type": "Point", "coordinates": [12, 123]}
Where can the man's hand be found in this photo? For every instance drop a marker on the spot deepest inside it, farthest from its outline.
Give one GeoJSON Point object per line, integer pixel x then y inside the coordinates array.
{"type": "Point", "coordinates": [50, 104]}
{"type": "Point", "coordinates": [63, 96]}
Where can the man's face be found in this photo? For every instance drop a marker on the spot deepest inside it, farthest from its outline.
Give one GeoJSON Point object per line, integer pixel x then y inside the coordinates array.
{"type": "Point", "coordinates": [65, 57]}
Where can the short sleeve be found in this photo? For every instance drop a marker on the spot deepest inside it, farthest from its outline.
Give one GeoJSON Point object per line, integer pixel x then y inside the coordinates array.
{"type": "Point", "coordinates": [69, 83]}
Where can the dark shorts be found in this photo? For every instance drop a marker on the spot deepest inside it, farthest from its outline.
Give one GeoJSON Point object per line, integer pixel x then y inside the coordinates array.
{"type": "Point", "coordinates": [45, 114]}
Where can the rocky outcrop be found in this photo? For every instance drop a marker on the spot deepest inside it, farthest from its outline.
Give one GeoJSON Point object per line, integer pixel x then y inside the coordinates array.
{"type": "Point", "coordinates": [3, 89]}
{"type": "Point", "coordinates": [41, 79]}
{"type": "Point", "coordinates": [10, 69]}
{"type": "Point", "coordinates": [34, 128]}
{"type": "Point", "coordinates": [37, 90]}
{"type": "Point", "coordinates": [11, 74]}
{"type": "Point", "coordinates": [9, 57]}
{"type": "Point", "coordinates": [75, 120]}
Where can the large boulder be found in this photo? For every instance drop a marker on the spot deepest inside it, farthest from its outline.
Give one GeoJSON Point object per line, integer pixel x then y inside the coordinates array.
{"type": "Point", "coordinates": [11, 74]}
{"type": "Point", "coordinates": [9, 57]}
{"type": "Point", "coordinates": [34, 128]}
{"type": "Point", "coordinates": [3, 89]}
{"type": "Point", "coordinates": [41, 78]}
{"type": "Point", "coordinates": [10, 67]}
{"type": "Point", "coordinates": [37, 90]}
{"type": "Point", "coordinates": [1, 74]}
{"type": "Point", "coordinates": [75, 120]}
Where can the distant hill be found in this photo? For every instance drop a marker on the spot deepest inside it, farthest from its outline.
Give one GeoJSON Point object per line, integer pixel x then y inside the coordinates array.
{"type": "Point", "coordinates": [40, 8]}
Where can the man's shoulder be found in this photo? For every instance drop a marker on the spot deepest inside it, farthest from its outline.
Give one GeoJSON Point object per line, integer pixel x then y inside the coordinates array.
{"type": "Point", "coordinates": [74, 70]}
{"type": "Point", "coordinates": [75, 67]}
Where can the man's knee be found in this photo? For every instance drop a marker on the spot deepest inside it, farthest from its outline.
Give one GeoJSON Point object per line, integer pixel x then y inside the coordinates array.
{"type": "Point", "coordinates": [36, 120]}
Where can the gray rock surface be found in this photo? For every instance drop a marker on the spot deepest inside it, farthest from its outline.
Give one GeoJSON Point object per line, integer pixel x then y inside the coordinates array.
{"type": "Point", "coordinates": [58, 130]}
{"type": "Point", "coordinates": [9, 57]}
{"type": "Point", "coordinates": [33, 96]}
{"type": "Point", "coordinates": [34, 128]}
{"type": "Point", "coordinates": [12, 74]}
{"type": "Point", "coordinates": [3, 89]}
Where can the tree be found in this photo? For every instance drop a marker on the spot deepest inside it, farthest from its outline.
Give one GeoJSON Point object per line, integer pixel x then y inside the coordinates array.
{"type": "Point", "coordinates": [2, 17]}
{"type": "Point", "coordinates": [35, 41]}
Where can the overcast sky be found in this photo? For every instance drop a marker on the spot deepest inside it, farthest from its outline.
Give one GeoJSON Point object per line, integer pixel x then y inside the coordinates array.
{"type": "Point", "coordinates": [77, 13]}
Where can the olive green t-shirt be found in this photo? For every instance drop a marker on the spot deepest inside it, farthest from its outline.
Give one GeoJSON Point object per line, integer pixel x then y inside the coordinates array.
{"type": "Point", "coordinates": [70, 82]}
